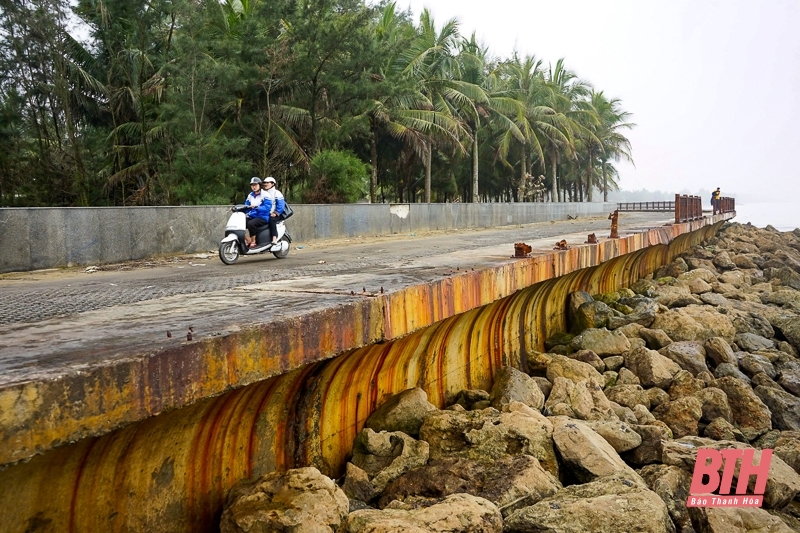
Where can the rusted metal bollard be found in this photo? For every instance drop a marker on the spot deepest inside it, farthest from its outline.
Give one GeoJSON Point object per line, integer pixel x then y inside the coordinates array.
{"type": "Point", "coordinates": [614, 218]}
{"type": "Point", "coordinates": [521, 249]}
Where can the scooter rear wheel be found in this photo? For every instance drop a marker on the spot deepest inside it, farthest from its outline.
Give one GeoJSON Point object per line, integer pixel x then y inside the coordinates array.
{"type": "Point", "coordinates": [229, 252]}
{"type": "Point", "coordinates": [283, 253]}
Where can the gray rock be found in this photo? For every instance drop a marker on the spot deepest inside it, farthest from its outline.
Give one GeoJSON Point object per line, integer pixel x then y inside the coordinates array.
{"type": "Point", "coordinates": [649, 451]}
{"type": "Point", "coordinates": [584, 452]}
{"type": "Point", "coordinates": [619, 503]}
{"type": "Point", "coordinates": [591, 315]}
{"type": "Point", "coordinates": [753, 364]}
{"type": "Point", "coordinates": [689, 355]}
{"type": "Point", "coordinates": [750, 342]}
{"type": "Point", "coordinates": [719, 351]}
{"type": "Point", "coordinates": [750, 414]}
{"type": "Point", "coordinates": [723, 261]}
{"type": "Point", "coordinates": [402, 412]}
{"type": "Point", "coordinates": [614, 363]}
{"type": "Point", "coordinates": [657, 396]}
{"type": "Point", "coordinates": [511, 385]}
{"type": "Point", "coordinates": [672, 485]}
{"type": "Point", "coordinates": [617, 433]}
{"type": "Point", "coordinates": [736, 520]}
{"type": "Point", "coordinates": [652, 368]}
{"type": "Point", "coordinates": [588, 356]}
{"type": "Point", "coordinates": [601, 341]}
{"type": "Point", "coordinates": [761, 378]}
{"type": "Point", "coordinates": [721, 429]}
{"type": "Point", "coordinates": [301, 499]}
{"type": "Point", "coordinates": [728, 369]}
{"type": "Point", "coordinates": [626, 377]}
{"type": "Point", "coordinates": [655, 338]}
{"type": "Point", "coordinates": [628, 395]}
{"type": "Point", "coordinates": [785, 408]}
{"type": "Point", "coordinates": [386, 456]}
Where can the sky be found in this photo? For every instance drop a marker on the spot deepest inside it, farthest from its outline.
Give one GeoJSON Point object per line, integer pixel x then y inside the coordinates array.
{"type": "Point", "coordinates": [713, 85]}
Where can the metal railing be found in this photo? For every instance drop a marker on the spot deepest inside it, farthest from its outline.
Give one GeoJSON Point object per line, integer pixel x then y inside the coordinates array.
{"type": "Point", "coordinates": [726, 205]}
{"type": "Point", "coordinates": [646, 206]}
{"type": "Point", "coordinates": [688, 208]}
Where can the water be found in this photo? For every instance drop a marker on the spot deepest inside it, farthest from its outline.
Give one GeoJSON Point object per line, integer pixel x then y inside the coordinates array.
{"type": "Point", "coordinates": [783, 216]}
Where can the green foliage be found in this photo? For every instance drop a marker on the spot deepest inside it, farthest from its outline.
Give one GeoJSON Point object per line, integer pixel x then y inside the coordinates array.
{"type": "Point", "coordinates": [179, 101]}
{"type": "Point", "coordinates": [336, 177]}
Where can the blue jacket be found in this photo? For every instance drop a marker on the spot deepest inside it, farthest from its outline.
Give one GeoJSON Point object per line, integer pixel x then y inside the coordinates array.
{"type": "Point", "coordinates": [262, 211]}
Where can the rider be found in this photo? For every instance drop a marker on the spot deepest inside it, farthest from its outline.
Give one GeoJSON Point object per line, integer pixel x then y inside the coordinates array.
{"type": "Point", "coordinates": [259, 214]}
{"type": "Point", "coordinates": [274, 202]}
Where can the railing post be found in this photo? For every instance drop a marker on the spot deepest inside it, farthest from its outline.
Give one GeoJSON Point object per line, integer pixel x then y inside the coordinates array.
{"type": "Point", "coordinates": [677, 208]}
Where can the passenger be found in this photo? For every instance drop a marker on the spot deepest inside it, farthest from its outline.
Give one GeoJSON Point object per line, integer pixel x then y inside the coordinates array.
{"type": "Point", "coordinates": [274, 202]}
{"type": "Point", "coordinates": [258, 216]}
{"type": "Point", "coordinates": [716, 197]}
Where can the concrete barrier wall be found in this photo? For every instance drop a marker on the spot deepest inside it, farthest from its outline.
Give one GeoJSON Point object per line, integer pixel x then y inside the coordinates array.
{"type": "Point", "coordinates": [43, 237]}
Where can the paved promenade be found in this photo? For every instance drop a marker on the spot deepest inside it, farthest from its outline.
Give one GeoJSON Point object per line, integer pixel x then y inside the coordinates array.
{"type": "Point", "coordinates": [84, 353]}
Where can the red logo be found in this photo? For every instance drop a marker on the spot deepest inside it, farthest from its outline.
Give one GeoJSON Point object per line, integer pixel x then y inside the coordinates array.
{"type": "Point", "coordinates": [710, 488]}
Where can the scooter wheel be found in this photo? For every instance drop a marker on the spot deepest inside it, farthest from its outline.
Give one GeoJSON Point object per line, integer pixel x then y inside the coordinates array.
{"type": "Point", "coordinates": [283, 253]}
{"type": "Point", "coordinates": [229, 252]}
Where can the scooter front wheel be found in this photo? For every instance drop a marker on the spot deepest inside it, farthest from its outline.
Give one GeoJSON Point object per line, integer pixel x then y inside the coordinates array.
{"type": "Point", "coordinates": [229, 252]}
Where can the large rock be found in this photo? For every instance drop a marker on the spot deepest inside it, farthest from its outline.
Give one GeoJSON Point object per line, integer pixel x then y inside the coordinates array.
{"type": "Point", "coordinates": [586, 453]}
{"type": "Point", "coordinates": [750, 414]}
{"type": "Point", "coordinates": [592, 314]}
{"type": "Point", "coordinates": [750, 342]}
{"type": "Point", "coordinates": [510, 483]}
{"type": "Point", "coordinates": [753, 363]}
{"type": "Point", "coordinates": [789, 326]}
{"type": "Point", "coordinates": [683, 384]}
{"type": "Point", "coordinates": [649, 451]}
{"type": "Point", "coordinates": [718, 350]}
{"type": "Point", "coordinates": [681, 415]}
{"type": "Point", "coordinates": [736, 520]}
{"type": "Point", "coordinates": [584, 400]}
{"type": "Point", "coordinates": [672, 485]}
{"type": "Point", "coordinates": [560, 366]}
{"type": "Point", "coordinates": [401, 412]}
{"type": "Point", "coordinates": [601, 341]}
{"type": "Point", "coordinates": [301, 500]}
{"type": "Point", "coordinates": [652, 368]}
{"type": "Point", "coordinates": [511, 385]}
{"type": "Point", "coordinates": [689, 355]}
{"type": "Point", "coordinates": [386, 456]}
{"type": "Point", "coordinates": [655, 338]}
{"type": "Point", "coordinates": [489, 435]}
{"type": "Point", "coordinates": [617, 433]}
{"type": "Point", "coordinates": [694, 323]}
{"type": "Point", "coordinates": [628, 395]}
{"type": "Point", "coordinates": [787, 447]}
{"type": "Point", "coordinates": [785, 408]}
{"type": "Point", "coordinates": [457, 513]}
{"type": "Point", "coordinates": [714, 404]}
{"type": "Point", "coordinates": [619, 503]}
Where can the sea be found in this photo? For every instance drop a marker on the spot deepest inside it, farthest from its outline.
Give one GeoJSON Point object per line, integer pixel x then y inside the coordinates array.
{"type": "Point", "coordinates": [783, 216]}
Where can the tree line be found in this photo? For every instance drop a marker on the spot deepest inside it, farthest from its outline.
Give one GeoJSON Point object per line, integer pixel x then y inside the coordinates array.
{"type": "Point", "coordinates": [179, 102]}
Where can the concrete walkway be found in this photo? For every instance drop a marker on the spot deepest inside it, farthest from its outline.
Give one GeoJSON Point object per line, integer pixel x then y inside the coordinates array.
{"type": "Point", "coordinates": [84, 353]}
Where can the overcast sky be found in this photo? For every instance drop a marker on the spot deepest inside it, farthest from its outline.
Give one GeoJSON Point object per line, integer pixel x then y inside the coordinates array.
{"type": "Point", "coordinates": [713, 85]}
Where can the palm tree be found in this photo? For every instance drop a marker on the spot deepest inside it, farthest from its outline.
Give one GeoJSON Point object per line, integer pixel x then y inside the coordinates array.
{"type": "Point", "coordinates": [614, 145]}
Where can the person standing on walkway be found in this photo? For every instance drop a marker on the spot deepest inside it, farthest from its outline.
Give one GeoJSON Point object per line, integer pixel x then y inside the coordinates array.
{"type": "Point", "coordinates": [716, 197]}
{"type": "Point", "coordinates": [273, 200]}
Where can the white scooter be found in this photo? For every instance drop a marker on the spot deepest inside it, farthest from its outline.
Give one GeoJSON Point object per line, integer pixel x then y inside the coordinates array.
{"type": "Point", "coordinates": [233, 245]}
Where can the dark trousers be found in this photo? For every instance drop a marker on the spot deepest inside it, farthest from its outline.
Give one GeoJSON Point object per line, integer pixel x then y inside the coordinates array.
{"type": "Point", "coordinates": [273, 227]}
{"type": "Point", "coordinates": [255, 225]}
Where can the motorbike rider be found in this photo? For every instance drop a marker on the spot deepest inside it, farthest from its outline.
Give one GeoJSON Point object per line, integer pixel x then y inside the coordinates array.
{"type": "Point", "coordinates": [258, 216]}
{"type": "Point", "coordinates": [274, 202]}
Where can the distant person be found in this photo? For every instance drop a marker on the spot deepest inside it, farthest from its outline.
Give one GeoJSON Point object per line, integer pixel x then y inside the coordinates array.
{"type": "Point", "coordinates": [716, 198]}
{"type": "Point", "coordinates": [274, 203]}
{"type": "Point", "coordinates": [259, 214]}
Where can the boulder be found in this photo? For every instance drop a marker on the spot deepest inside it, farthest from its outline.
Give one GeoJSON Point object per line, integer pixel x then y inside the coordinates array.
{"type": "Point", "coordinates": [750, 342]}
{"type": "Point", "coordinates": [723, 261]}
{"type": "Point", "coordinates": [753, 363]}
{"type": "Point", "coordinates": [652, 368]}
{"type": "Point", "coordinates": [510, 483]}
{"type": "Point", "coordinates": [401, 412]}
{"type": "Point", "coordinates": [657, 396]}
{"type": "Point", "coordinates": [301, 500]}
{"type": "Point", "coordinates": [750, 414]}
{"type": "Point", "coordinates": [787, 447]}
{"type": "Point", "coordinates": [561, 366]}
{"type": "Point", "coordinates": [694, 323]}
{"type": "Point", "coordinates": [730, 370]}
{"type": "Point", "coordinates": [617, 433]}
{"type": "Point", "coordinates": [681, 415]}
{"type": "Point", "coordinates": [585, 452]}
{"type": "Point", "coordinates": [714, 404]}
{"type": "Point", "coordinates": [457, 513]}
{"type": "Point", "coordinates": [592, 314]}
{"type": "Point", "coordinates": [385, 456]}
{"type": "Point", "coordinates": [785, 407]}
{"type": "Point", "coordinates": [789, 326]}
{"type": "Point", "coordinates": [649, 451]}
{"type": "Point", "coordinates": [614, 363]}
{"type": "Point", "coordinates": [619, 503]}
{"type": "Point", "coordinates": [721, 429]}
{"type": "Point", "coordinates": [718, 350]}
{"type": "Point", "coordinates": [628, 395]}
{"type": "Point", "coordinates": [469, 397]}
{"type": "Point", "coordinates": [626, 377]}
{"type": "Point", "coordinates": [683, 384]}
{"type": "Point", "coordinates": [601, 341]}
{"type": "Point", "coordinates": [588, 356]}
{"type": "Point", "coordinates": [736, 520]}
{"type": "Point", "coordinates": [584, 400]}
{"type": "Point", "coordinates": [761, 378]}
{"type": "Point", "coordinates": [511, 385]}
{"type": "Point", "coordinates": [689, 355]}
{"type": "Point", "coordinates": [655, 338]}
{"type": "Point", "coordinates": [489, 435]}
{"type": "Point", "coordinates": [672, 485]}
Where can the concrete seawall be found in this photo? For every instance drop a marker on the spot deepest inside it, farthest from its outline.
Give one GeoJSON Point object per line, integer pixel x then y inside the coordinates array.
{"type": "Point", "coordinates": [277, 395]}
{"type": "Point", "coordinates": [36, 238]}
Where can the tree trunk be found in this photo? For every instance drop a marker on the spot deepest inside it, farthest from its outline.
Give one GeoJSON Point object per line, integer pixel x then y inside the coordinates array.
{"type": "Point", "coordinates": [428, 153]}
{"type": "Point", "coordinates": [373, 154]}
{"type": "Point", "coordinates": [605, 183]}
{"type": "Point", "coordinates": [589, 178]}
{"type": "Point", "coordinates": [522, 176]}
{"type": "Point", "coordinates": [475, 167]}
{"type": "Point", "coordinates": [554, 188]}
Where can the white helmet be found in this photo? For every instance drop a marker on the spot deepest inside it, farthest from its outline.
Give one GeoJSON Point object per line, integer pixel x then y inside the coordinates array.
{"type": "Point", "coordinates": [270, 180]}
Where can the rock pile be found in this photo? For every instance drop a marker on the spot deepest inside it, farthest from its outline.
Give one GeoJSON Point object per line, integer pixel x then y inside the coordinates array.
{"type": "Point", "coordinates": [604, 434]}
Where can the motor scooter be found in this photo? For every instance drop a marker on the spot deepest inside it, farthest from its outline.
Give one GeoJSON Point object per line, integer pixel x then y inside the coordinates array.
{"type": "Point", "coordinates": [232, 245]}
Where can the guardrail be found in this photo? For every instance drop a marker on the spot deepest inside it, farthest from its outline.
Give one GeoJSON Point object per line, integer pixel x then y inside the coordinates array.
{"type": "Point", "coordinates": [726, 205]}
{"type": "Point", "coordinates": [646, 206]}
{"type": "Point", "coordinates": [688, 208]}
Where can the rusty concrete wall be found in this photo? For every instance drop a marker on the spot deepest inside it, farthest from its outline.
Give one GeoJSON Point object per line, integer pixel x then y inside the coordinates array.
{"type": "Point", "coordinates": [170, 473]}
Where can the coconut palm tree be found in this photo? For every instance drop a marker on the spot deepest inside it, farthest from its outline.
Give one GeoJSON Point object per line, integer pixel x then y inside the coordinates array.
{"type": "Point", "coordinates": [614, 145]}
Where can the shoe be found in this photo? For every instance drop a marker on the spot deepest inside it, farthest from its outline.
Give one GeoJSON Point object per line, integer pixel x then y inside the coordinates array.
{"type": "Point", "coordinates": [274, 244]}
{"type": "Point", "coordinates": [252, 245]}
